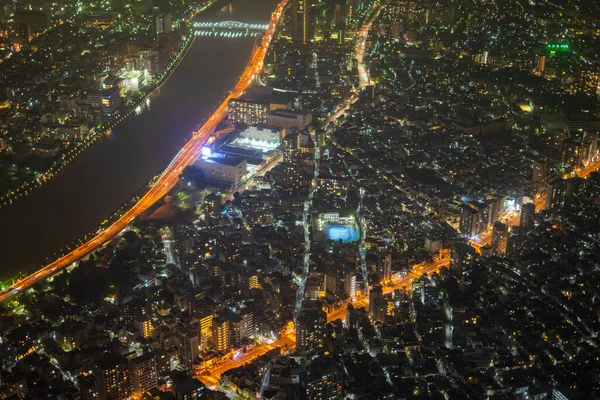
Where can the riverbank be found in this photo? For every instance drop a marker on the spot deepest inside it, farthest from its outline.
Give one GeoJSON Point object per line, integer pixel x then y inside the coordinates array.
{"type": "Point", "coordinates": [148, 92]}
{"type": "Point", "coordinates": [109, 174]}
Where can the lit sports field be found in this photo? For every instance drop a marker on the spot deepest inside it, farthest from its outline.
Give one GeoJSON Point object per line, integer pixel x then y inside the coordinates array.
{"type": "Point", "coordinates": [347, 233]}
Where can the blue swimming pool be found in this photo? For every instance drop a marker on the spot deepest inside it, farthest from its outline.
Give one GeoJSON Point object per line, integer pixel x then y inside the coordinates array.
{"type": "Point", "coordinates": [347, 233]}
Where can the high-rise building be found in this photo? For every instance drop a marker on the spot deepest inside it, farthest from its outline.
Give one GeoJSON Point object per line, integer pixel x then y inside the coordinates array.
{"type": "Point", "coordinates": [143, 323]}
{"type": "Point", "coordinates": [107, 101]}
{"type": "Point", "coordinates": [377, 305]}
{"type": "Point", "coordinates": [500, 234]}
{"type": "Point", "coordinates": [297, 145]}
{"type": "Point", "coordinates": [517, 243]}
{"type": "Point", "coordinates": [165, 46]}
{"type": "Point", "coordinates": [340, 14]}
{"type": "Point", "coordinates": [310, 327]}
{"type": "Point", "coordinates": [476, 217]}
{"type": "Point", "coordinates": [221, 333]}
{"type": "Point", "coordinates": [590, 146]}
{"type": "Point", "coordinates": [114, 381]}
{"type": "Point", "coordinates": [541, 65]}
{"type": "Point", "coordinates": [333, 283]}
{"type": "Point", "coordinates": [247, 324]}
{"type": "Point", "coordinates": [461, 255]}
{"type": "Point", "coordinates": [378, 311]}
{"type": "Point", "coordinates": [187, 388]}
{"type": "Point", "coordinates": [325, 382]}
{"type": "Point", "coordinates": [418, 288]}
{"type": "Point", "coordinates": [469, 220]}
{"type": "Point", "coordinates": [206, 323]}
{"type": "Point", "coordinates": [539, 171]}
{"type": "Point", "coordinates": [352, 316]}
{"type": "Point", "coordinates": [384, 266]}
{"type": "Point", "coordinates": [305, 144]}
{"type": "Point", "coordinates": [163, 361]}
{"type": "Point", "coordinates": [228, 272]}
{"type": "Point", "coordinates": [556, 194]}
{"type": "Point", "coordinates": [253, 282]}
{"type": "Point", "coordinates": [571, 152]}
{"type": "Point", "coordinates": [242, 111]}
{"type": "Point", "coordinates": [375, 294]}
{"type": "Point", "coordinates": [431, 294]}
{"type": "Point", "coordinates": [189, 346]}
{"type": "Point", "coordinates": [302, 26]}
{"type": "Point", "coordinates": [487, 215]}
{"type": "Point", "coordinates": [241, 326]}
{"type": "Point", "coordinates": [350, 284]}
{"type": "Point", "coordinates": [211, 206]}
{"type": "Point", "coordinates": [575, 187]}
{"type": "Point", "coordinates": [88, 387]}
{"type": "Point", "coordinates": [527, 215]}
{"type": "Point", "coordinates": [247, 281]}
{"type": "Point", "coordinates": [288, 146]}
{"type": "Point", "coordinates": [143, 373]}
{"type": "Point", "coordinates": [163, 22]}
{"type": "Point", "coordinates": [235, 327]}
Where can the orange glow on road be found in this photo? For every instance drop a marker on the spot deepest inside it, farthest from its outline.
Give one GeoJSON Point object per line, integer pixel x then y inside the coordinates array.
{"type": "Point", "coordinates": [399, 284]}
{"type": "Point", "coordinates": [588, 169]}
{"type": "Point", "coordinates": [188, 154]}
{"type": "Point", "coordinates": [540, 203]}
{"type": "Point", "coordinates": [211, 375]}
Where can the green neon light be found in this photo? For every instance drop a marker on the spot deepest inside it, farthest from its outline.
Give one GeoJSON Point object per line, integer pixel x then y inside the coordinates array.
{"type": "Point", "coordinates": [558, 47]}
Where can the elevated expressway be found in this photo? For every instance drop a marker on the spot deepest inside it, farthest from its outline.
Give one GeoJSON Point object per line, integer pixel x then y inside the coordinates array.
{"type": "Point", "coordinates": [186, 156]}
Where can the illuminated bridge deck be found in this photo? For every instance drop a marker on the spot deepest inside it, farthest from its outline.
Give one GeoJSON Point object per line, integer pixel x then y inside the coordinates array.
{"type": "Point", "coordinates": [229, 25]}
{"type": "Point", "coordinates": [227, 29]}
{"type": "Point", "coordinates": [225, 34]}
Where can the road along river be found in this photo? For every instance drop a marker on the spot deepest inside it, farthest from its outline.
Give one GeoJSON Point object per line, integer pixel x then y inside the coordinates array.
{"type": "Point", "coordinates": [100, 180]}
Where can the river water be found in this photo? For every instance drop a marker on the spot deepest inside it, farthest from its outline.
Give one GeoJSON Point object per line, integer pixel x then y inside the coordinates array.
{"type": "Point", "coordinates": [111, 171]}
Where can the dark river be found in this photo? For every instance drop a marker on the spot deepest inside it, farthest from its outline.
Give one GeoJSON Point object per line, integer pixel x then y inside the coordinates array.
{"type": "Point", "coordinates": [112, 170]}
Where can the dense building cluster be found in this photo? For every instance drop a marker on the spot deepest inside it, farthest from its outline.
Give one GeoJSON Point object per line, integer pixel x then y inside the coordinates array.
{"type": "Point", "coordinates": [426, 231]}
{"type": "Point", "coordinates": [70, 68]}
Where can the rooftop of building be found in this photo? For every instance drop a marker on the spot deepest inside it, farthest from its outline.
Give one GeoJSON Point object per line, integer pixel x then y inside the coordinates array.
{"type": "Point", "coordinates": [289, 113]}
{"type": "Point", "coordinates": [232, 161]}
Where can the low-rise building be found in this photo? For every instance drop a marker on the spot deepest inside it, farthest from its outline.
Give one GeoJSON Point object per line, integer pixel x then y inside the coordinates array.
{"type": "Point", "coordinates": [263, 133]}
{"type": "Point", "coordinates": [289, 119]}
{"type": "Point", "coordinates": [223, 170]}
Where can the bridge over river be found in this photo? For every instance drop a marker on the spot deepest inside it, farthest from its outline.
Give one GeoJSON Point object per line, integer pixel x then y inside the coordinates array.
{"type": "Point", "coordinates": [40, 226]}
{"type": "Point", "coordinates": [237, 25]}
{"type": "Point", "coordinates": [228, 29]}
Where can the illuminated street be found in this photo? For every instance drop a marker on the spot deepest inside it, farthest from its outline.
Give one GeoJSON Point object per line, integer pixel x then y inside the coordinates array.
{"type": "Point", "coordinates": [188, 154]}
{"type": "Point", "coordinates": [211, 376]}
{"type": "Point", "coordinates": [540, 203]}
{"type": "Point", "coordinates": [387, 200]}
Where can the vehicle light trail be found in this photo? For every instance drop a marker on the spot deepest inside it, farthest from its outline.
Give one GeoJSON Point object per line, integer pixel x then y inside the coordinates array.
{"type": "Point", "coordinates": [188, 154]}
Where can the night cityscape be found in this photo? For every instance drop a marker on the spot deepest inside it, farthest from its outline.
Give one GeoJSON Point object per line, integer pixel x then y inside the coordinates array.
{"type": "Point", "coordinates": [299, 199]}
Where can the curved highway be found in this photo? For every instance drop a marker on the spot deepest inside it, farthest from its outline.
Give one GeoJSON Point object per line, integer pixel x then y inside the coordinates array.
{"type": "Point", "coordinates": [186, 156]}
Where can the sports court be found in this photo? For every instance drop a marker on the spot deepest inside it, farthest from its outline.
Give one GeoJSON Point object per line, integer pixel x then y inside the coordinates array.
{"type": "Point", "coordinates": [347, 233]}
